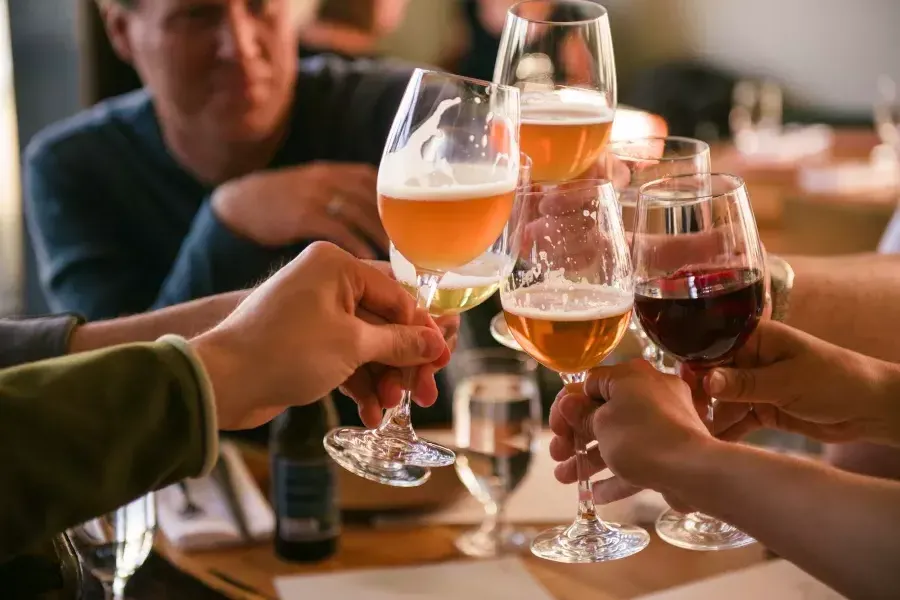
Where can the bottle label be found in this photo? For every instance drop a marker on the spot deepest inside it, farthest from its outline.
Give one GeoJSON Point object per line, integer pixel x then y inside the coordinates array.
{"type": "Point", "coordinates": [306, 499]}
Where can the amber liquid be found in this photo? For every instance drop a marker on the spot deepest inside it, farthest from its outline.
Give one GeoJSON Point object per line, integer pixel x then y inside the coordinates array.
{"type": "Point", "coordinates": [570, 341]}
{"type": "Point", "coordinates": [564, 149]}
{"type": "Point", "coordinates": [443, 234]}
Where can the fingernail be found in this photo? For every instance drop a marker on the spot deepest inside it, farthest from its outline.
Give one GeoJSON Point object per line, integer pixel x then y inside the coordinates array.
{"type": "Point", "coordinates": [715, 382]}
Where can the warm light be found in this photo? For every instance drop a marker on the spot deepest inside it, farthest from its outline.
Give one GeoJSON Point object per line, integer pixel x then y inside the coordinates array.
{"type": "Point", "coordinates": [10, 203]}
{"type": "Point", "coordinates": [631, 123]}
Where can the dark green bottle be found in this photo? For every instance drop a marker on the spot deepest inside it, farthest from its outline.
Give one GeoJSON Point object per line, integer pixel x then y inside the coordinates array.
{"type": "Point", "coordinates": [304, 484]}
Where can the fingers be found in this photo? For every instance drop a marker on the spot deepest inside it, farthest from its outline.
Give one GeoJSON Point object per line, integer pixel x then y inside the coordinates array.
{"type": "Point", "coordinates": [365, 222]}
{"type": "Point", "coordinates": [567, 471]}
{"type": "Point", "coordinates": [361, 388]}
{"type": "Point", "coordinates": [400, 345]}
{"type": "Point", "coordinates": [612, 490]}
{"type": "Point", "coordinates": [768, 385]}
{"type": "Point", "coordinates": [379, 294]}
{"type": "Point", "coordinates": [341, 234]}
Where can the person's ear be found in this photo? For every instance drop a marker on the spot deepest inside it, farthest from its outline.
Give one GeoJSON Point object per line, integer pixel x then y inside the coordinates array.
{"type": "Point", "coordinates": [116, 21]}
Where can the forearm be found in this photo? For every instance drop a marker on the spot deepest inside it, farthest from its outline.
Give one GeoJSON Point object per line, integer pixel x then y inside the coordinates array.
{"type": "Point", "coordinates": [842, 528]}
{"type": "Point", "coordinates": [850, 301]}
{"type": "Point", "coordinates": [186, 320]}
{"type": "Point", "coordinates": [85, 434]}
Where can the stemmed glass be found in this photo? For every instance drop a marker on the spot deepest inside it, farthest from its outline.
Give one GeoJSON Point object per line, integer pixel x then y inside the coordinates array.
{"type": "Point", "coordinates": [114, 546]}
{"type": "Point", "coordinates": [446, 186]}
{"type": "Point", "coordinates": [632, 163]}
{"type": "Point", "coordinates": [496, 421]}
{"type": "Point", "coordinates": [567, 302]}
{"type": "Point", "coordinates": [699, 294]}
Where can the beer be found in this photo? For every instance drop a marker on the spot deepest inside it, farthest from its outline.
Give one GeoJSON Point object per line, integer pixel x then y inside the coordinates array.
{"type": "Point", "coordinates": [442, 227]}
{"type": "Point", "coordinates": [304, 484]}
{"type": "Point", "coordinates": [460, 290]}
{"type": "Point", "coordinates": [564, 132]}
{"type": "Point", "coordinates": [568, 327]}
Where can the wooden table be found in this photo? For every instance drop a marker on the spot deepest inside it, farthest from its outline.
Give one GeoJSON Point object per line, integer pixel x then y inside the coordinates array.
{"type": "Point", "coordinates": [248, 573]}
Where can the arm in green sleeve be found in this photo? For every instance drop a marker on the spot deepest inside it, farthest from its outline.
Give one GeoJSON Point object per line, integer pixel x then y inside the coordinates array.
{"type": "Point", "coordinates": [82, 435]}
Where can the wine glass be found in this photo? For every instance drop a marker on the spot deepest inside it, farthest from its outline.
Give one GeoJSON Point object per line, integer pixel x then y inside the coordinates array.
{"type": "Point", "coordinates": [114, 546]}
{"type": "Point", "coordinates": [699, 294]}
{"type": "Point", "coordinates": [567, 302]}
{"type": "Point", "coordinates": [496, 421]}
{"type": "Point", "coordinates": [560, 54]}
{"type": "Point", "coordinates": [632, 163]}
{"type": "Point", "coordinates": [446, 186]}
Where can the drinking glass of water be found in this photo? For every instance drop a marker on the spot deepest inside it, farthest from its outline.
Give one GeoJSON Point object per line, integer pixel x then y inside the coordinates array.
{"type": "Point", "coordinates": [114, 546]}
{"type": "Point", "coordinates": [496, 421]}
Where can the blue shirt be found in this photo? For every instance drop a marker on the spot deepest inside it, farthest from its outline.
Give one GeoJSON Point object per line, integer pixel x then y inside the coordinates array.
{"type": "Point", "coordinates": [120, 227]}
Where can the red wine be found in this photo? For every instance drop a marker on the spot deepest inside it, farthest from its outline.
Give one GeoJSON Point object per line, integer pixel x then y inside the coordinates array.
{"type": "Point", "coordinates": [701, 316]}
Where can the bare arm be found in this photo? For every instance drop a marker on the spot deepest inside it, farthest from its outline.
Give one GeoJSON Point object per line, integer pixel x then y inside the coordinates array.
{"type": "Point", "coordinates": [852, 301]}
{"type": "Point", "coordinates": [186, 320]}
{"type": "Point", "coordinates": [849, 538]}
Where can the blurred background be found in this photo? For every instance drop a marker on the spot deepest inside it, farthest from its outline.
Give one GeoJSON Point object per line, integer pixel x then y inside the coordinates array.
{"type": "Point", "coordinates": [678, 58]}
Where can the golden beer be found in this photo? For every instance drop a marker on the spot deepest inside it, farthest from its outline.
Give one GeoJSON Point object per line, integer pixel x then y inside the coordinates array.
{"type": "Point", "coordinates": [440, 228]}
{"type": "Point", "coordinates": [459, 290]}
{"type": "Point", "coordinates": [570, 327]}
{"type": "Point", "coordinates": [564, 133]}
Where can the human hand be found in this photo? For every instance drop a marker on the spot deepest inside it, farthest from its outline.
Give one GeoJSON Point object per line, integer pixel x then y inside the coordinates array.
{"type": "Point", "coordinates": [786, 379]}
{"type": "Point", "coordinates": [300, 335]}
{"type": "Point", "coordinates": [646, 423]}
{"type": "Point", "coordinates": [321, 200]}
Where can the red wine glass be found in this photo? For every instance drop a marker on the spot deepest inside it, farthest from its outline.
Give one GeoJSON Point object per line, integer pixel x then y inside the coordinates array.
{"type": "Point", "coordinates": [699, 294]}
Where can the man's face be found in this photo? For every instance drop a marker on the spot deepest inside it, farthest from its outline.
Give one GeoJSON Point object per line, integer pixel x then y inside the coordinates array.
{"type": "Point", "coordinates": [225, 68]}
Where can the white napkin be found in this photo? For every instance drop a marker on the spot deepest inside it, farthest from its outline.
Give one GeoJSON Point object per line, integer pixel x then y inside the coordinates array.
{"type": "Point", "coordinates": [503, 579]}
{"type": "Point", "coordinates": [774, 580]}
{"type": "Point", "coordinates": [216, 527]}
{"type": "Point", "coordinates": [539, 498]}
{"type": "Point", "coordinates": [783, 145]}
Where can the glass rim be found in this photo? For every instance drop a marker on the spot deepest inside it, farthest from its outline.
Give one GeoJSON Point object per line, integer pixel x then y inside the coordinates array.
{"type": "Point", "coordinates": [602, 12]}
{"type": "Point", "coordinates": [702, 147]}
{"type": "Point", "coordinates": [588, 182]}
{"type": "Point", "coordinates": [666, 202]}
{"type": "Point", "coordinates": [421, 72]}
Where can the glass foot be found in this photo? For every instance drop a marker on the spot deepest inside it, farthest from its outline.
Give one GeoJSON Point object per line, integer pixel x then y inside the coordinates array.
{"type": "Point", "coordinates": [696, 531]}
{"type": "Point", "coordinates": [396, 461]}
{"type": "Point", "coordinates": [589, 542]}
{"type": "Point", "coordinates": [501, 334]}
{"type": "Point", "coordinates": [480, 543]}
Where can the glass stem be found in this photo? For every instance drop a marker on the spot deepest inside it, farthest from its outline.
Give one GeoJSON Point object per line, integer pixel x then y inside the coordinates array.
{"type": "Point", "coordinates": [116, 589]}
{"type": "Point", "coordinates": [587, 512]}
{"type": "Point", "coordinates": [397, 420]}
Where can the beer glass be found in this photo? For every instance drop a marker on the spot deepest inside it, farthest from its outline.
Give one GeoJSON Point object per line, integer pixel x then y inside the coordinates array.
{"type": "Point", "coordinates": [629, 164]}
{"type": "Point", "coordinates": [699, 294]}
{"type": "Point", "coordinates": [567, 302]}
{"type": "Point", "coordinates": [446, 186]}
{"type": "Point", "coordinates": [560, 54]}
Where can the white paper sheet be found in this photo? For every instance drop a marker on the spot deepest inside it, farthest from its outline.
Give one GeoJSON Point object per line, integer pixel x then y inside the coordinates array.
{"type": "Point", "coordinates": [775, 580]}
{"type": "Point", "coordinates": [504, 579]}
{"type": "Point", "coordinates": [539, 498]}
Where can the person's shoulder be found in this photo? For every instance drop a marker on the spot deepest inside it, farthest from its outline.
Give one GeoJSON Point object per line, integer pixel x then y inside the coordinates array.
{"type": "Point", "coordinates": [81, 136]}
{"type": "Point", "coordinates": [335, 72]}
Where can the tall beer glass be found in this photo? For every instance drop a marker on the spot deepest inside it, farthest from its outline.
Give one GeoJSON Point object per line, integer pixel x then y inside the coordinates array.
{"type": "Point", "coordinates": [567, 301]}
{"type": "Point", "coordinates": [446, 186]}
{"type": "Point", "coordinates": [560, 54]}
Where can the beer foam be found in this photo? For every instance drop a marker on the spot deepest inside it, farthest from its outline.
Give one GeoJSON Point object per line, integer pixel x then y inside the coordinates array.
{"type": "Point", "coordinates": [555, 301]}
{"type": "Point", "coordinates": [419, 171]}
{"type": "Point", "coordinates": [566, 107]}
{"type": "Point", "coordinates": [485, 270]}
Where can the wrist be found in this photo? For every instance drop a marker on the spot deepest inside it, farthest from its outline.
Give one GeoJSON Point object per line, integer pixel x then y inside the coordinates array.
{"type": "Point", "coordinates": [223, 369]}
{"type": "Point", "coordinates": [688, 473]}
{"type": "Point", "coordinates": [226, 206]}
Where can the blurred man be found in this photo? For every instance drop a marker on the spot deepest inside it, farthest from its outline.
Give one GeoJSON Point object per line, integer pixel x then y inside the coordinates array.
{"type": "Point", "coordinates": [228, 163]}
{"type": "Point", "coordinates": [92, 431]}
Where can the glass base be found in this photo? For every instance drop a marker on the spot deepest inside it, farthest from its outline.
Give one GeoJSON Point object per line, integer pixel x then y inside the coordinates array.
{"type": "Point", "coordinates": [391, 460]}
{"type": "Point", "coordinates": [480, 543]}
{"type": "Point", "coordinates": [589, 541]}
{"type": "Point", "coordinates": [696, 531]}
{"type": "Point", "coordinates": [501, 334]}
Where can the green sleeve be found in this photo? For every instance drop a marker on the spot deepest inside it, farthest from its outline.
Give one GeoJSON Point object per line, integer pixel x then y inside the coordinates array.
{"type": "Point", "coordinates": [84, 434]}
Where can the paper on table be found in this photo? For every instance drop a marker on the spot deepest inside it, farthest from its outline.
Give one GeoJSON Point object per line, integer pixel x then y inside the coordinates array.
{"type": "Point", "coordinates": [775, 580]}
{"type": "Point", "coordinates": [538, 499]}
{"type": "Point", "coordinates": [503, 579]}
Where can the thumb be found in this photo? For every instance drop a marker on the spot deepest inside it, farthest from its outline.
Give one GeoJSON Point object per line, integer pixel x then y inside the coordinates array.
{"type": "Point", "coordinates": [400, 345]}
{"type": "Point", "coordinates": [578, 411]}
{"type": "Point", "coordinates": [766, 385]}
